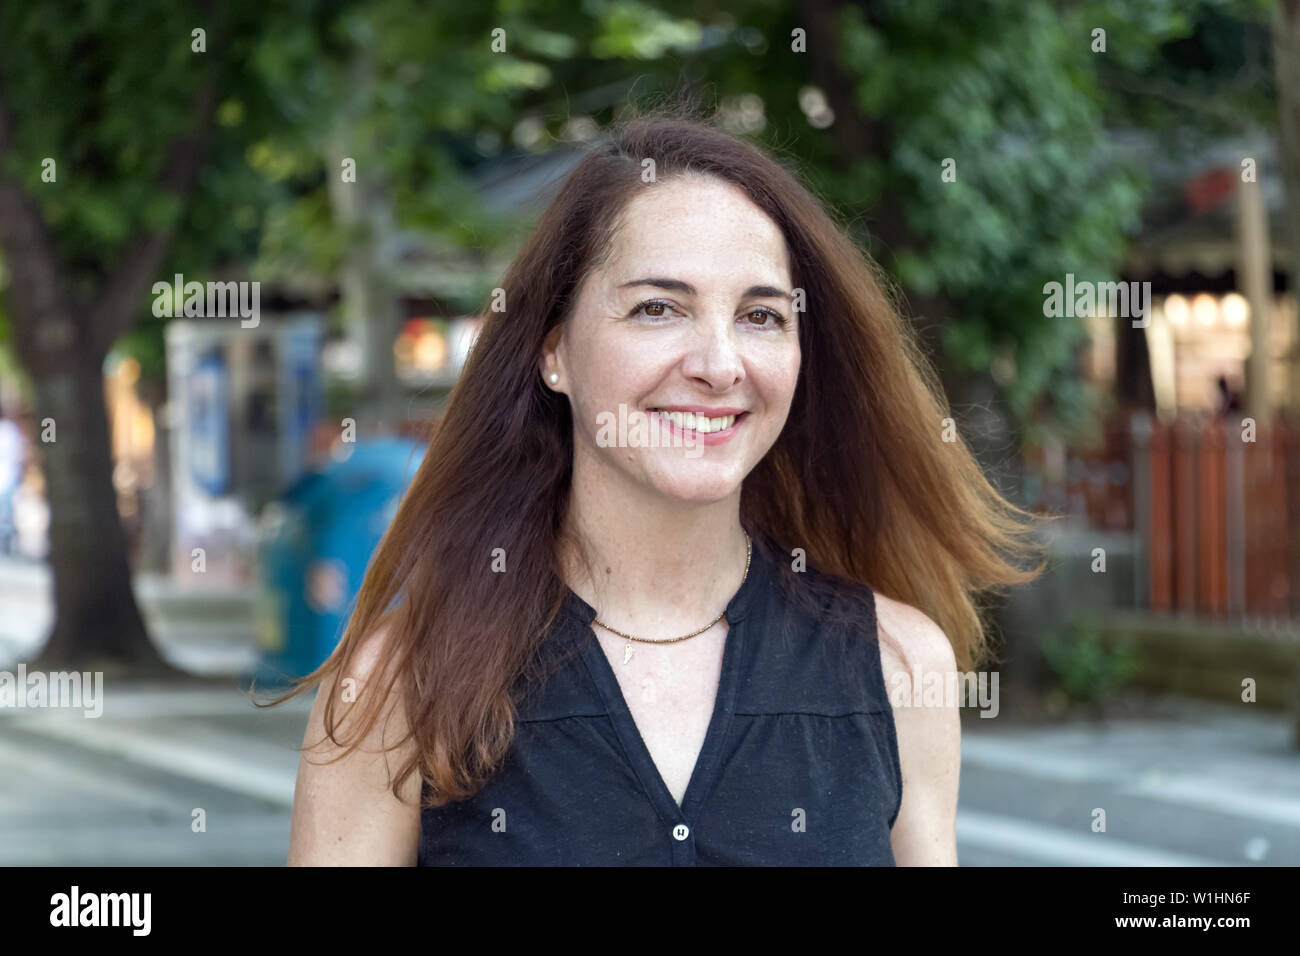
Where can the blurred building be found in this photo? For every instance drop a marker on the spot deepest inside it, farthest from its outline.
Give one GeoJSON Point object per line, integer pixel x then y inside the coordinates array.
{"type": "Point", "coordinates": [1192, 479]}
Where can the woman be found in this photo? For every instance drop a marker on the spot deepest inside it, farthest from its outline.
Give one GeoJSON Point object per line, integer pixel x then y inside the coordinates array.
{"type": "Point", "coordinates": [688, 521]}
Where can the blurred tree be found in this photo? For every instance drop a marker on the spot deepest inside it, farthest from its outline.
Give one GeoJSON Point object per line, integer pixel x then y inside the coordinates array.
{"type": "Point", "coordinates": [386, 103]}
{"type": "Point", "coordinates": [122, 132]}
{"type": "Point", "coordinates": [169, 159]}
{"type": "Point", "coordinates": [1011, 95]}
{"type": "Point", "coordinates": [137, 143]}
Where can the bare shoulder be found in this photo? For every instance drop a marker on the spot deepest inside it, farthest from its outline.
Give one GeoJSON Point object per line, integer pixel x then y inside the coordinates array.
{"type": "Point", "coordinates": [344, 811]}
{"type": "Point", "coordinates": [372, 653]}
{"type": "Point", "coordinates": [924, 643]}
{"type": "Point", "coordinates": [929, 737]}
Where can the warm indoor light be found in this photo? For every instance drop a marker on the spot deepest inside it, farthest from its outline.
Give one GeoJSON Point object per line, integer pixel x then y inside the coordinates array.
{"type": "Point", "coordinates": [430, 351]}
{"type": "Point", "coordinates": [1176, 310]}
{"type": "Point", "coordinates": [1235, 309]}
{"type": "Point", "coordinates": [1205, 309]}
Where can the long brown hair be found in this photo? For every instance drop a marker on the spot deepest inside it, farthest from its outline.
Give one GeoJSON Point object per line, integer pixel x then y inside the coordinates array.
{"type": "Point", "coordinates": [860, 478]}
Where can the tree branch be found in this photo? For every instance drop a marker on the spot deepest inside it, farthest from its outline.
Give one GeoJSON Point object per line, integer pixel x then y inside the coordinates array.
{"type": "Point", "coordinates": [859, 137]}
{"type": "Point", "coordinates": [117, 304]}
{"type": "Point", "coordinates": [32, 262]}
{"type": "Point", "coordinates": [1160, 89]}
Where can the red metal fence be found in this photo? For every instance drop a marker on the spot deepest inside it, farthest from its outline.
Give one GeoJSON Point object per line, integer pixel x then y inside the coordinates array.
{"type": "Point", "coordinates": [1213, 504]}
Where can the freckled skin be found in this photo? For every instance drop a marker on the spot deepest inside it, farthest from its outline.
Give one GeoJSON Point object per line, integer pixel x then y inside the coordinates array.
{"type": "Point", "coordinates": [715, 348]}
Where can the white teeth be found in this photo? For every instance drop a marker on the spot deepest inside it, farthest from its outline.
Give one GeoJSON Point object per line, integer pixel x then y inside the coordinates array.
{"type": "Point", "coordinates": [698, 423]}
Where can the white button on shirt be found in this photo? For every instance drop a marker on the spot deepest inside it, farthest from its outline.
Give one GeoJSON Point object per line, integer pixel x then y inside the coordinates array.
{"type": "Point", "coordinates": [681, 831]}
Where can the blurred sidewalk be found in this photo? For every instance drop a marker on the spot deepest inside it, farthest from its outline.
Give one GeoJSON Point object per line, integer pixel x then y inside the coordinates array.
{"type": "Point", "coordinates": [1201, 785]}
{"type": "Point", "coordinates": [1198, 784]}
{"type": "Point", "coordinates": [208, 633]}
{"type": "Point", "coordinates": [169, 776]}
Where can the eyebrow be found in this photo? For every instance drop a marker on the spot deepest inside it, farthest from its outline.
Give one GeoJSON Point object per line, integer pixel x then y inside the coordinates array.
{"type": "Point", "coordinates": [676, 285]}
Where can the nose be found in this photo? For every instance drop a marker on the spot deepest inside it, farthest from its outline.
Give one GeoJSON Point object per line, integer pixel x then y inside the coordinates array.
{"type": "Point", "coordinates": [713, 359]}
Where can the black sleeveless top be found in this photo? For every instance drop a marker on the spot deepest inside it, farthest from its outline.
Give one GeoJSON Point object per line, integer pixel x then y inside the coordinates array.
{"type": "Point", "coordinates": [799, 764]}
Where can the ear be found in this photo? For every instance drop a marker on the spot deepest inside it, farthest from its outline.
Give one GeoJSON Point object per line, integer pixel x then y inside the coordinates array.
{"type": "Point", "coordinates": [551, 362]}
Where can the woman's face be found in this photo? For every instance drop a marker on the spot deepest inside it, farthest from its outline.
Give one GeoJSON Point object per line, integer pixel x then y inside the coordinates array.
{"type": "Point", "coordinates": [718, 341]}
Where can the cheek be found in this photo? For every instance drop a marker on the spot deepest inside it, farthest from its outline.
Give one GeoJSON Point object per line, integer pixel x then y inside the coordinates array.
{"type": "Point", "coordinates": [780, 375]}
{"type": "Point", "coordinates": [613, 370]}
{"type": "Point", "coordinates": [792, 371]}
{"type": "Point", "coordinates": [603, 377]}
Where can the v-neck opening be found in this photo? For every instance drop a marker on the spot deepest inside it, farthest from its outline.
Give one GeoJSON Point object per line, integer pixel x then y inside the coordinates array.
{"type": "Point", "coordinates": [634, 743]}
{"type": "Point", "coordinates": [705, 770]}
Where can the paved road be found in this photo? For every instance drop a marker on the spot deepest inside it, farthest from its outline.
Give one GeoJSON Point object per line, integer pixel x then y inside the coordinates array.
{"type": "Point", "coordinates": [122, 789]}
{"type": "Point", "coordinates": [1214, 786]}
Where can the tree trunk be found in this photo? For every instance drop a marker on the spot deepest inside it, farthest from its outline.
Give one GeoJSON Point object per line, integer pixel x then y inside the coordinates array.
{"type": "Point", "coordinates": [1286, 59]}
{"type": "Point", "coordinates": [62, 341]}
{"type": "Point", "coordinates": [98, 625]}
{"type": "Point", "coordinates": [369, 302]}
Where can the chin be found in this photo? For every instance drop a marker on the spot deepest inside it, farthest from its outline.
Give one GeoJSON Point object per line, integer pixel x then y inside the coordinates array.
{"type": "Point", "coordinates": [699, 489]}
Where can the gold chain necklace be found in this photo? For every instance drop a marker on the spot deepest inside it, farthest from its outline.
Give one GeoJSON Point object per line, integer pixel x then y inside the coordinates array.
{"type": "Point", "coordinates": [627, 651]}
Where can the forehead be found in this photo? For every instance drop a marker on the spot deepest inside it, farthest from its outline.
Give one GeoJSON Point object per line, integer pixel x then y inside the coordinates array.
{"type": "Point", "coordinates": [699, 226]}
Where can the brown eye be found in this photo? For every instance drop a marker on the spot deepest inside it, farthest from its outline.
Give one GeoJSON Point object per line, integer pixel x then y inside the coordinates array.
{"type": "Point", "coordinates": [659, 306]}
{"type": "Point", "coordinates": [764, 314]}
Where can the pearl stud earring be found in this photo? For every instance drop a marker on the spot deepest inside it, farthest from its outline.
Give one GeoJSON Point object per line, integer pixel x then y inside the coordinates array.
{"type": "Point", "coordinates": [554, 377]}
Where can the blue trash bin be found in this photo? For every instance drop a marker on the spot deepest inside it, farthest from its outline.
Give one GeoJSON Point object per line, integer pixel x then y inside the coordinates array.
{"type": "Point", "coordinates": [314, 557]}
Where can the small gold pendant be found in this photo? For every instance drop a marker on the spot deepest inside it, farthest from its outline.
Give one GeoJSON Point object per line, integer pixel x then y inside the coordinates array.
{"type": "Point", "coordinates": [627, 652]}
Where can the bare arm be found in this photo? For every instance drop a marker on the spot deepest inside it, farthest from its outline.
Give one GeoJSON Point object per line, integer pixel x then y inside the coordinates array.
{"type": "Point", "coordinates": [929, 739]}
{"type": "Point", "coordinates": [344, 813]}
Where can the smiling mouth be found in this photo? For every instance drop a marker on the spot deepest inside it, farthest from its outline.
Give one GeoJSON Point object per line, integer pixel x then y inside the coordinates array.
{"type": "Point", "coordinates": [701, 424]}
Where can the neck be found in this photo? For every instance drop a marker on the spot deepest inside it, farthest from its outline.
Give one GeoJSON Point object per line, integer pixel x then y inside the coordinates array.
{"type": "Point", "coordinates": [658, 567]}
